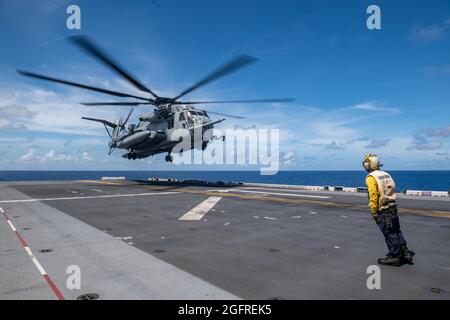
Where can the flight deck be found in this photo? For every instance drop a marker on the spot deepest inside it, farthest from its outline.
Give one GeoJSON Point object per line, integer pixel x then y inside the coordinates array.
{"type": "Point", "coordinates": [141, 240]}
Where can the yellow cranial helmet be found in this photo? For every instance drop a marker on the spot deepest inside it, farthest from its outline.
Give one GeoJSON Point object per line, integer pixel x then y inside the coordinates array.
{"type": "Point", "coordinates": [371, 162]}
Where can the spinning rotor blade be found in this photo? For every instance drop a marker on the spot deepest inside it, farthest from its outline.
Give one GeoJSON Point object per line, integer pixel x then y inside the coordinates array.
{"type": "Point", "coordinates": [79, 85]}
{"type": "Point", "coordinates": [239, 101]}
{"type": "Point", "coordinates": [92, 49]}
{"type": "Point", "coordinates": [229, 67]}
{"type": "Point", "coordinates": [134, 104]}
{"type": "Point", "coordinates": [128, 118]}
{"type": "Point", "coordinates": [226, 115]}
{"type": "Point", "coordinates": [105, 122]}
{"type": "Point", "coordinates": [107, 131]}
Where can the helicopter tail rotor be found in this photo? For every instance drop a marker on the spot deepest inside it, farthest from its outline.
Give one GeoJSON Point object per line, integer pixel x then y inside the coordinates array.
{"type": "Point", "coordinates": [117, 128]}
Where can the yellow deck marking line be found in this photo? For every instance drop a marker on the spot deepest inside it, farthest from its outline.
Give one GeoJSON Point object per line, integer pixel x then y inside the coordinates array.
{"type": "Point", "coordinates": [277, 193]}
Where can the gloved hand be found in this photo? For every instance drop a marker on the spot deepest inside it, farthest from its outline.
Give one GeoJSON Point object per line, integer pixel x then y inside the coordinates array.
{"type": "Point", "coordinates": [377, 219]}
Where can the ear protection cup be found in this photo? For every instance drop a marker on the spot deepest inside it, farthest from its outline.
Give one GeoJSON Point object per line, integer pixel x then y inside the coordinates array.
{"type": "Point", "coordinates": [371, 162]}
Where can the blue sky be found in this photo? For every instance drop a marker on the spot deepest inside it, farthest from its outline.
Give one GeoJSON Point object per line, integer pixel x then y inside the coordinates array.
{"type": "Point", "coordinates": [358, 91]}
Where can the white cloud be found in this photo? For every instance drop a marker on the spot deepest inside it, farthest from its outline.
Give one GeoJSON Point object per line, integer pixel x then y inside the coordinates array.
{"type": "Point", "coordinates": [289, 158]}
{"type": "Point", "coordinates": [442, 70]}
{"type": "Point", "coordinates": [51, 156]}
{"type": "Point", "coordinates": [28, 156]}
{"type": "Point", "coordinates": [35, 109]}
{"type": "Point", "coordinates": [336, 146]}
{"type": "Point", "coordinates": [421, 143]}
{"type": "Point", "coordinates": [375, 143]}
{"type": "Point", "coordinates": [440, 132]}
{"type": "Point", "coordinates": [374, 107]}
{"type": "Point", "coordinates": [12, 115]}
{"type": "Point", "coordinates": [420, 139]}
{"type": "Point", "coordinates": [430, 33]}
{"type": "Point", "coordinates": [54, 156]}
{"type": "Point", "coordinates": [86, 156]}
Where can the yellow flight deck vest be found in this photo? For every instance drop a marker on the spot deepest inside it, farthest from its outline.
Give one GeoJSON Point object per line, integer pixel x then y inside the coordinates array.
{"type": "Point", "coordinates": [386, 188]}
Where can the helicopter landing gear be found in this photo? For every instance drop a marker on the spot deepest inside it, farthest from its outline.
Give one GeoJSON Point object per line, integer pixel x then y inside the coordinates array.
{"type": "Point", "coordinates": [169, 158]}
{"type": "Point", "coordinates": [131, 156]}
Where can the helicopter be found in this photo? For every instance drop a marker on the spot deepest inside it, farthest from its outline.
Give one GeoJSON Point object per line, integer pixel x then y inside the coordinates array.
{"type": "Point", "coordinates": [153, 134]}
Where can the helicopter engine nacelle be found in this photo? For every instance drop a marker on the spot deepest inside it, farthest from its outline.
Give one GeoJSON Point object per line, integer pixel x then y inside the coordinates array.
{"type": "Point", "coordinates": [135, 139]}
{"type": "Point", "coordinates": [147, 117]}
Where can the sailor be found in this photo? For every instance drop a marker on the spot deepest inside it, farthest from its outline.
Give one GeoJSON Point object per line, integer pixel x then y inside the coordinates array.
{"type": "Point", "coordinates": [383, 206]}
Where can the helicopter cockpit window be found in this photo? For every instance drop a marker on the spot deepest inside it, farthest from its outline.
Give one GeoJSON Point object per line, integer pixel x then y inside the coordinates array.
{"type": "Point", "coordinates": [182, 118]}
{"type": "Point", "coordinates": [190, 119]}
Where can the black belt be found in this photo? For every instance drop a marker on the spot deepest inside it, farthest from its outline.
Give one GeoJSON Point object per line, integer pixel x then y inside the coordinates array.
{"type": "Point", "coordinates": [392, 205]}
{"type": "Point", "coordinates": [389, 214]}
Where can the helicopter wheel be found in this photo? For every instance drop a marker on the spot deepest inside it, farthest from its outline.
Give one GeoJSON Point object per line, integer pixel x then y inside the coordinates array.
{"type": "Point", "coordinates": [169, 158]}
{"type": "Point", "coordinates": [134, 156]}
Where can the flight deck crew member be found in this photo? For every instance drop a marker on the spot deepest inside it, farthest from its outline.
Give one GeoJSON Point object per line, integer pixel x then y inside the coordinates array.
{"type": "Point", "coordinates": [382, 196]}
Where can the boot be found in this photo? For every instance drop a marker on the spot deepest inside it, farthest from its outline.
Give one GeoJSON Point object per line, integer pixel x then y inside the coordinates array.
{"type": "Point", "coordinates": [407, 255]}
{"type": "Point", "coordinates": [390, 261]}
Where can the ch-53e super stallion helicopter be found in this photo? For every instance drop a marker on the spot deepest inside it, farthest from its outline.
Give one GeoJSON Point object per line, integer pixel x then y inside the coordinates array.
{"type": "Point", "coordinates": [153, 134]}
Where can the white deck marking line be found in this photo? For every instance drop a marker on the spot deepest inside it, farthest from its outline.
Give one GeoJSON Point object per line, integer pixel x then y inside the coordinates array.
{"type": "Point", "coordinates": [199, 211]}
{"type": "Point", "coordinates": [35, 261]}
{"type": "Point", "coordinates": [91, 197]}
{"type": "Point", "coordinates": [11, 225]}
{"type": "Point", "coordinates": [27, 249]}
{"type": "Point", "coordinates": [281, 194]}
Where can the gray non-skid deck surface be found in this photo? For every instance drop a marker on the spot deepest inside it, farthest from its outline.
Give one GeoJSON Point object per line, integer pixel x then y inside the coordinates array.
{"type": "Point", "coordinates": [109, 266]}
{"type": "Point", "coordinates": [249, 248]}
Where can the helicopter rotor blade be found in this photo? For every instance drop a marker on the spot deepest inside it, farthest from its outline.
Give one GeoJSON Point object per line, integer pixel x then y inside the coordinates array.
{"type": "Point", "coordinates": [233, 65]}
{"type": "Point", "coordinates": [127, 118]}
{"type": "Point", "coordinates": [226, 115]}
{"type": "Point", "coordinates": [79, 85]}
{"type": "Point", "coordinates": [107, 130]}
{"type": "Point", "coordinates": [133, 104]}
{"type": "Point", "coordinates": [240, 101]}
{"type": "Point", "coordinates": [87, 45]}
{"type": "Point", "coordinates": [105, 122]}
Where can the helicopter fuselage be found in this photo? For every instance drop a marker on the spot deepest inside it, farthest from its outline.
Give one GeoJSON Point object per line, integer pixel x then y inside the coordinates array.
{"type": "Point", "coordinates": [155, 134]}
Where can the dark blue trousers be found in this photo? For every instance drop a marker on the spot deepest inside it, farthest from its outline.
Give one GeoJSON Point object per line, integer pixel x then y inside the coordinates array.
{"type": "Point", "coordinates": [390, 227]}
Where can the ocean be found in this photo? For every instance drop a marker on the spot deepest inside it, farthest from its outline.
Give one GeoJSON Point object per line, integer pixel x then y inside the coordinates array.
{"type": "Point", "coordinates": [412, 180]}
